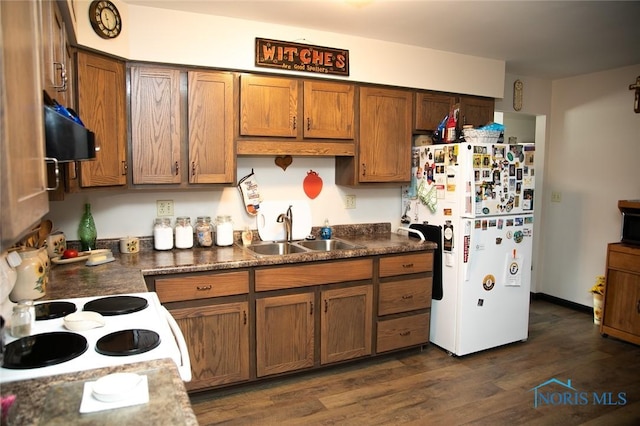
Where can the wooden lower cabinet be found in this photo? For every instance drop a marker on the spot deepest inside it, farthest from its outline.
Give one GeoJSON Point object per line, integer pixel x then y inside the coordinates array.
{"type": "Point", "coordinates": [621, 315]}
{"type": "Point", "coordinates": [217, 338]}
{"type": "Point", "coordinates": [346, 323]}
{"type": "Point", "coordinates": [402, 332]}
{"type": "Point", "coordinates": [284, 333]}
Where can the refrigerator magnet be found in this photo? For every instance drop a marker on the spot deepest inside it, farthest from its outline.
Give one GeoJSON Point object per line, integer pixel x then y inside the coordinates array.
{"type": "Point", "coordinates": [488, 282]}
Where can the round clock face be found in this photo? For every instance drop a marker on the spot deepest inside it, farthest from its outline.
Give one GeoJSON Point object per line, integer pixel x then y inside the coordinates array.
{"type": "Point", "coordinates": [105, 19]}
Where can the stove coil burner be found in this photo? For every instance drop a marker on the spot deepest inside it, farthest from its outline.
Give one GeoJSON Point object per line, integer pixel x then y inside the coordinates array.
{"type": "Point", "coordinates": [128, 342]}
{"type": "Point", "coordinates": [116, 305]}
{"type": "Point", "coordinates": [43, 350]}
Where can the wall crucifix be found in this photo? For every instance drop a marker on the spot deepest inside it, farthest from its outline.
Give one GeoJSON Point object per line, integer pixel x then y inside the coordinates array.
{"type": "Point", "coordinates": [636, 102]}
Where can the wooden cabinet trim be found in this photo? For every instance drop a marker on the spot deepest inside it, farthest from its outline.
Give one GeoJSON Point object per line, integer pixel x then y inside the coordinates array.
{"type": "Point", "coordinates": [303, 275]}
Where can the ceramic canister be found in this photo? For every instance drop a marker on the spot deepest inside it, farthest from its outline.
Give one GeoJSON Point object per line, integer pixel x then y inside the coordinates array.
{"type": "Point", "coordinates": [129, 245]}
{"type": "Point", "coordinates": [56, 244]}
{"type": "Point", "coordinates": [31, 276]}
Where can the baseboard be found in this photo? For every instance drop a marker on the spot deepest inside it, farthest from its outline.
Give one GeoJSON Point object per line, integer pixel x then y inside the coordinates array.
{"type": "Point", "coordinates": [562, 302]}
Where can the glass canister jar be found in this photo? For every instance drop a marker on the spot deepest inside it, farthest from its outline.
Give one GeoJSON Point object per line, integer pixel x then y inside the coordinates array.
{"type": "Point", "coordinates": [21, 321]}
{"type": "Point", "coordinates": [162, 234]}
{"type": "Point", "coordinates": [204, 231]}
{"type": "Point", "coordinates": [184, 232]}
{"type": "Point", "coordinates": [224, 231]}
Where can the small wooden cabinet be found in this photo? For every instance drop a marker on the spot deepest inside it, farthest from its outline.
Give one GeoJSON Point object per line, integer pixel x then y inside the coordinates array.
{"type": "Point", "coordinates": [475, 110]}
{"type": "Point", "coordinates": [404, 301]}
{"type": "Point", "coordinates": [293, 116]}
{"type": "Point", "coordinates": [384, 149]}
{"type": "Point", "coordinates": [24, 198]}
{"type": "Point", "coordinates": [621, 311]}
{"type": "Point", "coordinates": [57, 64]}
{"type": "Point", "coordinates": [213, 313]}
{"type": "Point", "coordinates": [430, 109]}
{"type": "Point", "coordinates": [102, 106]}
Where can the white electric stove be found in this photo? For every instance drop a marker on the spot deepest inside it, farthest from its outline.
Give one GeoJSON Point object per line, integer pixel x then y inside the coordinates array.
{"type": "Point", "coordinates": [153, 319]}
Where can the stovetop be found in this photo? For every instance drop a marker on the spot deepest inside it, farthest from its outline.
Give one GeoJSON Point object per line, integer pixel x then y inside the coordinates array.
{"type": "Point", "coordinates": [150, 318]}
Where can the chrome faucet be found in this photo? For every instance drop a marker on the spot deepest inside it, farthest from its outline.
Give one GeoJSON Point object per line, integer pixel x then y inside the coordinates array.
{"type": "Point", "coordinates": [287, 218]}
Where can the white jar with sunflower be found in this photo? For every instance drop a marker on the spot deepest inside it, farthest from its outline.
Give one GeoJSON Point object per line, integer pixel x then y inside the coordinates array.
{"type": "Point", "coordinates": [31, 276]}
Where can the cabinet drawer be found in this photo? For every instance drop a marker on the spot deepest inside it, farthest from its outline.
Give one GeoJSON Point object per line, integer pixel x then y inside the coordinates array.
{"type": "Point", "coordinates": [314, 274]}
{"type": "Point", "coordinates": [624, 261]}
{"type": "Point", "coordinates": [402, 332]}
{"type": "Point", "coordinates": [202, 286]}
{"type": "Point", "coordinates": [406, 264]}
{"type": "Point", "coordinates": [404, 296]}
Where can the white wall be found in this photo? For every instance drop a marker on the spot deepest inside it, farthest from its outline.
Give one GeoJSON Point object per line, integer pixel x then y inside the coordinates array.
{"type": "Point", "coordinates": [592, 159]}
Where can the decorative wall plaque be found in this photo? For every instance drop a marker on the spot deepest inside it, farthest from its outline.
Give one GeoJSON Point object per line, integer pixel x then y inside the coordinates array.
{"type": "Point", "coordinates": [301, 57]}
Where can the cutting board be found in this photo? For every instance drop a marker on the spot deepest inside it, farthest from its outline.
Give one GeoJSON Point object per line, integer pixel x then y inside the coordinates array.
{"type": "Point", "coordinates": [270, 230]}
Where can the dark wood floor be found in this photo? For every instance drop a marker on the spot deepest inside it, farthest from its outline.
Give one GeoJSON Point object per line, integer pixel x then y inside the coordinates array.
{"type": "Point", "coordinates": [430, 387]}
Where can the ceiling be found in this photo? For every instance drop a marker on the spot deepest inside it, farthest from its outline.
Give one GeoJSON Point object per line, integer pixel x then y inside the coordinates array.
{"type": "Point", "coordinates": [543, 39]}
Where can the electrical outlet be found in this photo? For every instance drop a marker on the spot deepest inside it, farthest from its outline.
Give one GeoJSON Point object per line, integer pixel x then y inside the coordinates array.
{"type": "Point", "coordinates": [350, 202]}
{"type": "Point", "coordinates": [556, 197]}
{"type": "Point", "coordinates": [164, 207]}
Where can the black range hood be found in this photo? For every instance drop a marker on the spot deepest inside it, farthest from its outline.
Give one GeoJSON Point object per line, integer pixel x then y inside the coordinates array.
{"type": "Point", "coordinates": [67, 140]}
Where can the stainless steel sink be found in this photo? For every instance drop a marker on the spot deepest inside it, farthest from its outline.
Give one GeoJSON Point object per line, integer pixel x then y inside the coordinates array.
{"type": "Point", "coordinates": [282, 248]}
{"type": "Point", "coordinates": [275, 248]}
{"type": "Point", "coordinates": [327, 245]}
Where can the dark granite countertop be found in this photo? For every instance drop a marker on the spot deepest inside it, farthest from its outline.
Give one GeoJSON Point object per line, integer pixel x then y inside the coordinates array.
{"type": "Point", "coordinates": [55, 400]}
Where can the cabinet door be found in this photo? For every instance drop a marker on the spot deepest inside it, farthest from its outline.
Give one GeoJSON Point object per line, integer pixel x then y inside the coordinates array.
{"type": "Point", "coordinates": [24, 199]}
{"type": "Point", "coordinates": [268, 106]}
{"type": "Point", "coordinates": [211, 149]}
{"type": "Point", "coordinates": [622, 310]}
{"type": "Point", "coordinates": [101, 104]}
{"type": "Point", "coordinates": [284, 333]}
{"type": "Point", "coordinates": [54, 58]}
{"type": "Point", "coordinates": [155, 125]}
{"type": "Point", "coordinates": [218, 342]}
{"type": "Point", "coordinates": [328, 110]}
{"type": "Point", "coordinates": [385, 135]}
{"type": "Point", "coordinates": [431, 109]}
{"type": "Point", "coordinates": [346, 323]}
{"type": "Point", "coordinates": [475, 111]}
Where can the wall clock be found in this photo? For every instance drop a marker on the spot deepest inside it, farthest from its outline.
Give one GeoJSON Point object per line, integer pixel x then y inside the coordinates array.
{"type": "Point", "coordinates": [105, 19]}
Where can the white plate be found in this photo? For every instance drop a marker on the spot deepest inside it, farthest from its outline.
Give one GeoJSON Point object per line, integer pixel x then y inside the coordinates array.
{"type": "Point", "coordinates": [115, 387]}
{"type": "Point", "coordinates": [82, 255]}
{"type": "Point", "coordinates": [83, 320]}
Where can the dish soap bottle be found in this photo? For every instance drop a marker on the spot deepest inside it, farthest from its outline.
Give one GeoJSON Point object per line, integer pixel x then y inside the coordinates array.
{"type": "Point", "coordinates": [87, 230]}
{"type": "Point", "coordinates": [325, 231]}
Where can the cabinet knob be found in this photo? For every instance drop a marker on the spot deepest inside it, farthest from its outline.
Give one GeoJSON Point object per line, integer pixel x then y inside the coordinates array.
{"type": "Point", "coordinates": [308, 123]}
{"type": "Point", "coordinates": [295, 123]}
{"type": "Point", "coordinates": [407, 265]}
{"type": "Point", "coordinates": [407, 297]}
{"type": "Point", "coordinates": [177, 168]}
{"type": "Point", "coordinates": [405, 333]}
{"type": "Point", "coordinates": [193, 168]}
{"type": "Point", "coordinates": [364, 169]}
{"type": "Point", "coordinates": [203, 287]}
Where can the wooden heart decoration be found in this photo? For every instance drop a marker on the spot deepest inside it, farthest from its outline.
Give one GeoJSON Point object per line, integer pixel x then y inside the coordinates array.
{"type": "Point", "coordinates": [312, 184]}
{"type": "Point", "coordinates": [284, 161]}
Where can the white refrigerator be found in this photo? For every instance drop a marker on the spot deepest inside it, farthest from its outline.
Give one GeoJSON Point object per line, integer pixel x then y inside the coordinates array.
{"type": "Point", "coordinates": [481, 198]}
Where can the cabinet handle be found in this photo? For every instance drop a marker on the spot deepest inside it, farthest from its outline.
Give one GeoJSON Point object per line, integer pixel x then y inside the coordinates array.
{"type": "Point", "coordinates": [326, 306]}
{"type": "Point", "coordinates": [204, 287]}
{"type": "Point", "coordinates": [311, 309]}
{"type": "Point", "coordinates": [405, 333]}
{"type": "Point", "coordinates": [407, 265]}
{"type": "Point", "coordinates": [56, 172]}
{"type": "Point", "coordinates": [125, 168]}
{"type": "Point", "coordinates": [295, 123]}
{"type": "Point", "coordinates": [244, 313]}
{"type": "Point", "coordinates": [63, 77]}
{"type": "Point", "coordinates": [308, 123]}
{"type": "Point", "coordinates": [177, 168]}
{"type": "Point", "coordinates": [193, 168]}
{"type": "Point", "coordinates": [364, 169]}
{"type": "Point", "coordinates": [407, 296]}
{"type": "Point", "coordinates": [638, 306]}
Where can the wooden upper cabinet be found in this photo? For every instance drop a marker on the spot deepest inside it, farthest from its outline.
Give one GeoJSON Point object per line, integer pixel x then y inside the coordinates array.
{"type": "Point", "coordinates": [430, 109]}
{"type": "Point", "coordinates": [476, 111]}
{"type": "Point", "coordinates": [385, 135]}
{"type": "Point", "coordinates": [268, 106]}
{"type": "Point", "coordinates": [102, 106]}
{"type": "Point", "coordinates": [155, 125]}
{"type": "Point", "coordinates": [329, 110]}
{"type": "Point", "coordinates": [24, 199]}
{"type": "Point", "coordinates": [211, 148]}
{"type": "Point", "coordinates": [56, 68]}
